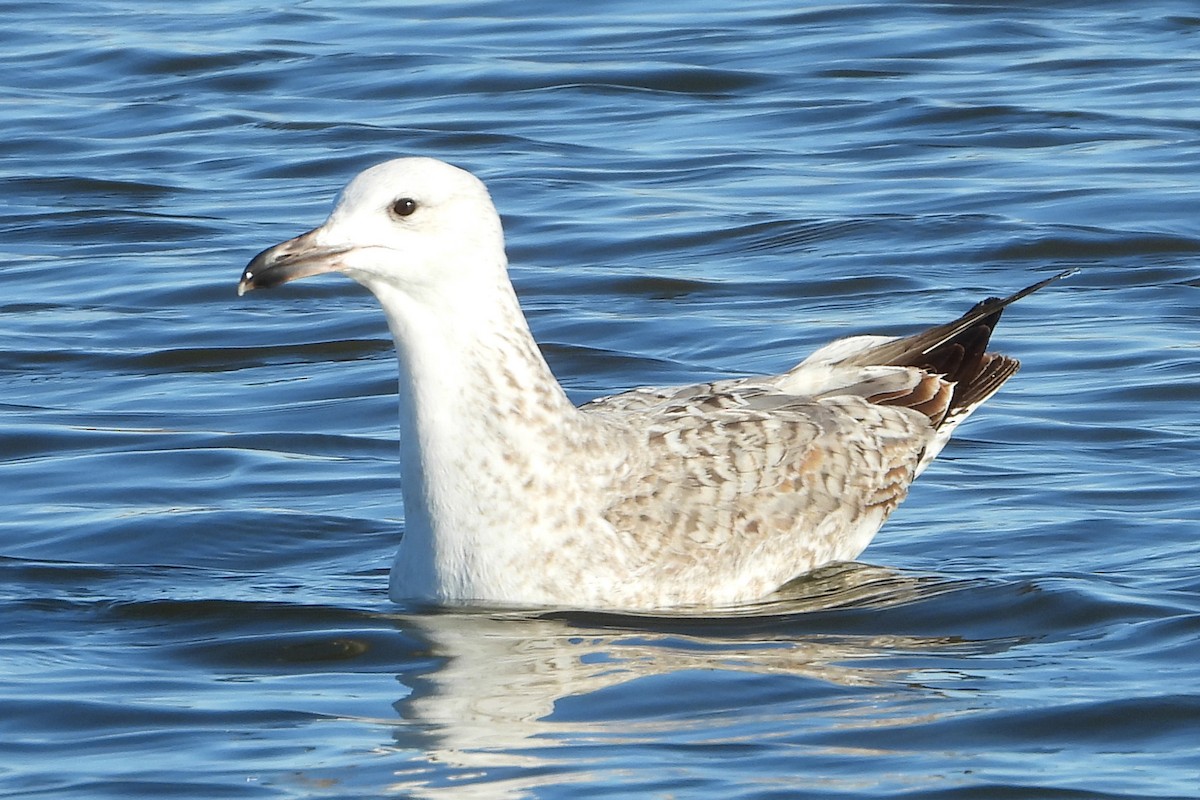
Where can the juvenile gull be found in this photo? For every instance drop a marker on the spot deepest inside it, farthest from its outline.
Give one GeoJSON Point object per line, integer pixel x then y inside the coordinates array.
{"type": "Point", "coordinates": [710, 494]}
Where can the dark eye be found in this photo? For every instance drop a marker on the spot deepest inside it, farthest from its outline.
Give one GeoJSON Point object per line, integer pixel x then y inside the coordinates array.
{"type": "Point", "coordinates": [404, 207]}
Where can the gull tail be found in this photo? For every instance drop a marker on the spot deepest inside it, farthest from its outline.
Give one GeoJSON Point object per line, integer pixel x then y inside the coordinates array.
{"type": "Point", "coordinates": [959, 372]}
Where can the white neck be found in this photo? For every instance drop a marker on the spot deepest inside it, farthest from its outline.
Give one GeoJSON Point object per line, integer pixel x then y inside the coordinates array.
{"type": "Point", "coordinates": [477, 408]}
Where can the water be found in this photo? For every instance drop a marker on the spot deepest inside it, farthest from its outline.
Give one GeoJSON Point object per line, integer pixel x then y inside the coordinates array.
{"type": "Point", "coordinates": [201, 494]}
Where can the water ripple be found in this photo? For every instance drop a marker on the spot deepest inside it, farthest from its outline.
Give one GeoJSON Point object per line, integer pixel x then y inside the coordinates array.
{"type": "Point", "coordinates": [201, 492]}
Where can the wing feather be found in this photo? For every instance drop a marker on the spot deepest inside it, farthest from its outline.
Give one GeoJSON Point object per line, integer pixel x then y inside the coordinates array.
{"type": "Point", "coordinates": [763, 495]}
{"type": "Point", "coordinates": [753, 481]}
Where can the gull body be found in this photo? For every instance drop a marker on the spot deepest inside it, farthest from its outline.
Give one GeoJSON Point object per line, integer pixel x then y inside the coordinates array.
{"type": "Point", "coordinates": [703, 495]}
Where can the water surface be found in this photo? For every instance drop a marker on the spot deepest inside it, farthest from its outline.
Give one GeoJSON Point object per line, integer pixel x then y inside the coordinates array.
{"type": "Point", "coordinates": [201, 492]}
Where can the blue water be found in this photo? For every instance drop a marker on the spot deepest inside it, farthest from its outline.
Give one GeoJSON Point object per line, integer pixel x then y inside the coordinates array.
{"type": "Point", "coordinates": [200, 493]}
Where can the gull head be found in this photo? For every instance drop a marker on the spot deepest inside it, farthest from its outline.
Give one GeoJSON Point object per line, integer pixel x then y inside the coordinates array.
{"type": "Point", "coordinates": [416, 224]}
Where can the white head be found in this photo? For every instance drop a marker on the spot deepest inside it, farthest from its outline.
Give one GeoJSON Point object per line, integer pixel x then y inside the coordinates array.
{"type": "Point", "coordinates": [414, 224]}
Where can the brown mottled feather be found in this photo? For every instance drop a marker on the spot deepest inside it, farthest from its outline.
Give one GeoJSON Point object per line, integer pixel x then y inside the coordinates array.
{"type": "Point", "coordinates": [769, 494]}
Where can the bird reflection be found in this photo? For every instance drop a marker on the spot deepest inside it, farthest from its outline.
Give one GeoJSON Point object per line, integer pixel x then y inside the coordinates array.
{"type": "Point", "coordinates": [502, 689]}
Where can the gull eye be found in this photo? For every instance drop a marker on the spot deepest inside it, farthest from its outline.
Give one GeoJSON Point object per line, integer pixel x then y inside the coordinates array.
{"type": "Point", "coordinates": [403, 207]}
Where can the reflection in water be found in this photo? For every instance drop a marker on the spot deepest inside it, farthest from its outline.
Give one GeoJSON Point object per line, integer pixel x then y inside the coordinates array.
{"type": "Point", "coordinates": [510, 686]}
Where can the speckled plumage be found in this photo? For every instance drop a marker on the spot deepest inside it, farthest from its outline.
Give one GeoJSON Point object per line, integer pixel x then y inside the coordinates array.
{"type": "Point", "coordinates": [711, 494]}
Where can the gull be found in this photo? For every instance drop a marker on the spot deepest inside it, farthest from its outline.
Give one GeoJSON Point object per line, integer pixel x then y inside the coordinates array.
{"type": "Point", "coordinates": [708, 495]}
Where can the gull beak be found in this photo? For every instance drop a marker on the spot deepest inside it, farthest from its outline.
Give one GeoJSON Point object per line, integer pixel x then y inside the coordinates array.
{"type": "Point", "coordinates": [289, 261]}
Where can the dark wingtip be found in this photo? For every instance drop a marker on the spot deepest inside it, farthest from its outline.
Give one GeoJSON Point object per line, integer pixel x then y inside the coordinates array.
{"type": "Point", "coordinates": [957, 351]}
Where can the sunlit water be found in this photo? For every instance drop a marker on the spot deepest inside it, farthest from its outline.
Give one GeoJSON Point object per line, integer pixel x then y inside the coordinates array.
{"type": "Point", "coordinates": [201, 493]}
